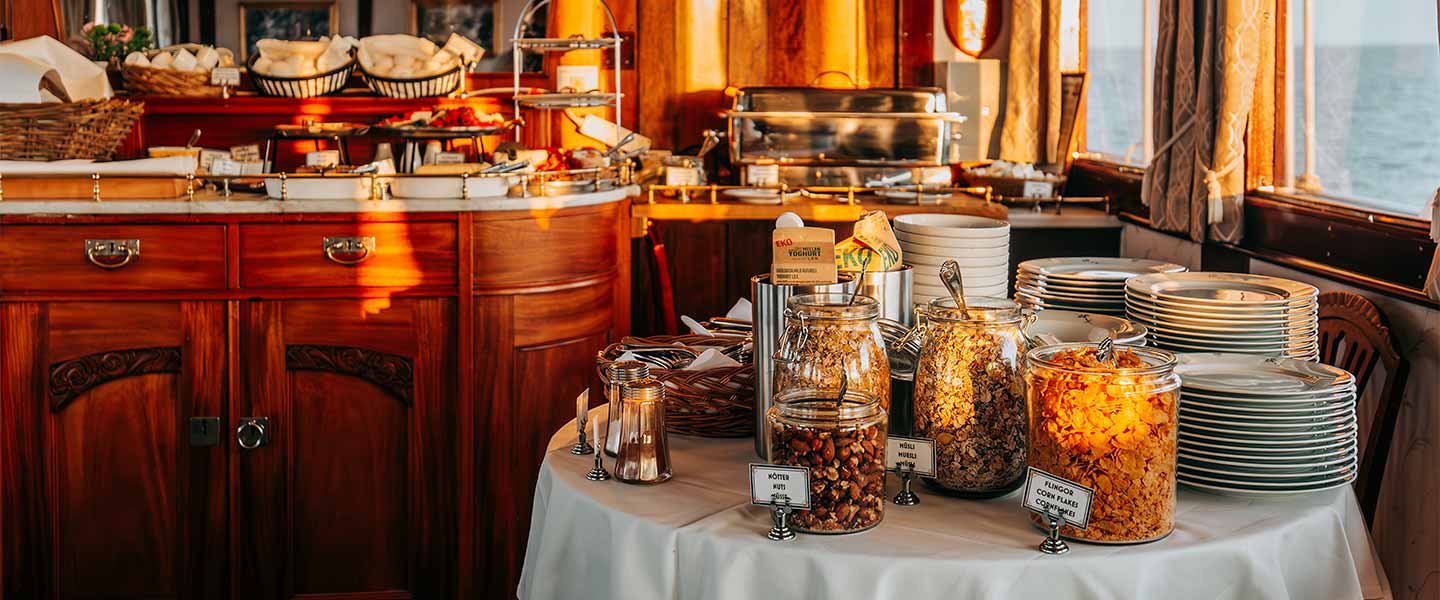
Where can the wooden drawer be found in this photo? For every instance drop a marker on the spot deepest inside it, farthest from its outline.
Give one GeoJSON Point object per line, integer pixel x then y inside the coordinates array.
{"type": "Point", "coordinates": [568, 245]}
{"type": "Point", "coordinates": [295, 255]}
{"type": "Point", "coordinates": [54, 258]}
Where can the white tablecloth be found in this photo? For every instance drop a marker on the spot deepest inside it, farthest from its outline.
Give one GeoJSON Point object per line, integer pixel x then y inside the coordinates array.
{"type": "Point", "coordinates": [698, 537]}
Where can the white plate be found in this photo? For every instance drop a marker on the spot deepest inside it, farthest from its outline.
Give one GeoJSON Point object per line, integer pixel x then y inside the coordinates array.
{"type": "Point", "coordinates": [930, 278]}
{"type": "Point", "coordinates": [1239, 427]}
{"type": "Point", "coordinates": [906, 237]}
{"type": "Point", "coordinates": [1097, 268]}
{"type": "Point", "coordinates": [1225, 414]}
{"type": "Point", "coordinates": [1218, 372]}
{"type": "Point", "coordinates": [1266, 480]}
{"type": "Point", "coordinates": [970, 287]}
{"type": "Point", "coordinates": [1047, 284]}
{"type": "Point", "coordinates": [1219, 311]}
{"type": "Point", "coordinates": [749, 196]}
{"type": "Point", "coordinates": [909, 197]}
{"type": "Point", "coordinates": [1260, 460]}
{"type": "Point", "coordinates": [1223, 289]}
{"type": "Point", "coordinates": [956, 226]}
{"type": "Point", "coordinates": [1000, 250]}
{"type": "Point", "coordinates": [1268, 403]}
{"type": "Point", "coordinates": [1263, 450]}
{"type": "Point", "coordinates": [1068, 326]}
{"type": "Point", "coordinates": [1239, 335]}
{"type": "Point", "coordinates": [1223, 490]}
{"type": "Point", "coordinates": [1194, 319]}
{"type": "Point", "coordinates": [1038, 304]}
{"type": "Point", "coordinates": [994, 272]}
{"type": "Point", "coordinates": [1243, 464]}
{"type": "Point", "coordinates": [1244, 346]}
{"type": "Point", "coordinates": [1073, 301]}
{"type": "Point", "coordinates": [1023, 287]}
{"type": "Point", "coordinates": [1266, 440]}
{"type": "Point", "coordinates": [1235, 327]}
{"type": "Point", "coordinates": [1271, 473]}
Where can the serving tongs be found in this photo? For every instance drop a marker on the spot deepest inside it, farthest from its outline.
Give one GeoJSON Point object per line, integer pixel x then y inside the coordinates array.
{"type": "Point", "coordinates": [505, 167]}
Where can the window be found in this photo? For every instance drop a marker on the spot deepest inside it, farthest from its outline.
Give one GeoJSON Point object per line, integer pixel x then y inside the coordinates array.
{"type": "Point", "coordinates": [1120, 52]}
{"type": "Point", "coordinates": [1363, 121]}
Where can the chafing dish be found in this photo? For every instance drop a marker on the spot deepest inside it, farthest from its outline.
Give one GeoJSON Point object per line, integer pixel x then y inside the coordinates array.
{"type": "Point", "coordinates": [823, 136]}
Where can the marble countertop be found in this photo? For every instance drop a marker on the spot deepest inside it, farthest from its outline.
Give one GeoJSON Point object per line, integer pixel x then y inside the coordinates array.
{"type": "Point", "coordinates": [214, 204]}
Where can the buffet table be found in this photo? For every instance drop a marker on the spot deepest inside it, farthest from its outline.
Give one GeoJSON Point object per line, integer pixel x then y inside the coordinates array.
{"type": "Point", "coordinates": [698, 537]}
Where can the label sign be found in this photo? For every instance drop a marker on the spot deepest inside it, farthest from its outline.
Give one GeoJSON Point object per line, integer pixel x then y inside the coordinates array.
{"type": "Point", "coordinates": [322, 158]}
{"type": "Point", "coordinates": [918, 453]}
{"type": "Point", "coordinates": [225, 76]}
{"type": "Point", "coordinates": [803, 256]}
{"type": "Point", "coordinates": [245, 153]}
{"type": "Point", "coordinates": [449, 158]}
{"type": "Point", "coordinates": [221, 165]}
{"type": "Point", "coordinates": [762, 174]}
{"type": "Point", "coordinates": [769, 481]}
{"type": "Point", "coordinates": [1070, 500]}
{"type": "Point", "coordinates": [1038, 189]}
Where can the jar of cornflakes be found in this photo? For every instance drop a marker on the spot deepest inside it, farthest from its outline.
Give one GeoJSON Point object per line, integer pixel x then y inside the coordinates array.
{"type": "Point", "coordinates": [1108, 423]}
{"type": "Point", "coordinates": [970, 395]}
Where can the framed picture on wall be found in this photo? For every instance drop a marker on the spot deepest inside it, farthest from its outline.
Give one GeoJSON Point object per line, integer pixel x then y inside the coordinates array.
{"type": "Point", "coordinates": [286, 21]}
{"type": "Point", "coordinates": [435, 20]}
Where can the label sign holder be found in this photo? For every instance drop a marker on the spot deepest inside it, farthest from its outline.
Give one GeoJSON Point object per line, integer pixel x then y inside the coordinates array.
{"type": "Point", "coordinates": [1058, 500]}
{"type": "Point", "coordinates": [773, 486]}
{"type": "Point", "coordinates": [909, 457]}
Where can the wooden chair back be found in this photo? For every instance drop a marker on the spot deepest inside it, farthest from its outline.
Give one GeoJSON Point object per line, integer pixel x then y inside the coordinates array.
{"type": "Point", "coordinates": [1355, 336]}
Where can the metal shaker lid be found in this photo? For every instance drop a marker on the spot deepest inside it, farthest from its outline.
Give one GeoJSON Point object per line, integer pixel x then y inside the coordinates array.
{"type": "Point", "coordinates": [621, 371]}
{"type": "Point", "coordinates": [645, 389]}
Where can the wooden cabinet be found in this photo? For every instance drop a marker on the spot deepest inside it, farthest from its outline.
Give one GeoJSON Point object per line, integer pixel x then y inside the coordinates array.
{"type": "Point", "coordinates": [103, 495]}
{"type": "Point", "coordinates": [406, 399]}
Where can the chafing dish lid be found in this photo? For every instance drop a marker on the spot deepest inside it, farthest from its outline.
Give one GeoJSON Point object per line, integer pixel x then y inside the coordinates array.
{"type": "Point", "coordinates": [822, 100]}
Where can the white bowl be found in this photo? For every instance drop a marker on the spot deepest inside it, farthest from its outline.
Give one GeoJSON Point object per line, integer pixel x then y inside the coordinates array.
{"type": "Point", "coordinates": [924, 293]}
{"type": "Point", "coordinates": [322, 188]}
{"type": "Point", "coordinates": [906, 237]}
{"type": "Point", "coordinates": [1000, 249]}
{"type": "Point", "coordinates": [918, 259]}
{"type": "Point", "coordinates": [952, 226]}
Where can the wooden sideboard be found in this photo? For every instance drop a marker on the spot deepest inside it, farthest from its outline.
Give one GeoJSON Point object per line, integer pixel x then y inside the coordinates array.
{"type": "Point", "coordinates": [406, 399]}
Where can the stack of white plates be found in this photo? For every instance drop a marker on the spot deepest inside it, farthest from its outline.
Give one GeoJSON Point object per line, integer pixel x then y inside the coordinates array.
{"type": "Point", "coordinates": [1082, 284]}
{"type": "Point", "coordinates": [1252, 426]}
{"type": "Point", "coordinates": [1063, 326]}
{"type": "Point", "coordinates": [1227, 312]}
{"type": "Point", "coordinates": [981, 246]}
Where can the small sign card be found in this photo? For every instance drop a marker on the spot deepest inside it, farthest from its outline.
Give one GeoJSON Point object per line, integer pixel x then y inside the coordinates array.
{"type": "Point", "coordinates": [221, 165]}
{"type": "Point", "coordinates": [762, 174]}
{"type": "Point", "coordinates": [919, 453]}
{"type": "Point", "coordinates": [1069, 499]}
{"type": "Point", "coordinates": [225, 76]}
{"type": "Point", "coordinates": [245, 153]}
{"type": "Point", "coordinates": [1038, 189]}
{"type": "Point", "coordinates": [450, 158]}
{"type": "Point", "coordinates": [322, 158]}
{"type": "Point", "coordinates": [768, 481]}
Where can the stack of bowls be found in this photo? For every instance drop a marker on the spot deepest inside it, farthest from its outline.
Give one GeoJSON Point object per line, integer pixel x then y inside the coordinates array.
{"type": "Point", "coordinates": [981, 246]}
{"type": "Point", "coordinates": [1088, 284]}
{"type": "Point", "coordinates": [1253, 427]}
{"type": "Point", "coordinates": [1227, 312]}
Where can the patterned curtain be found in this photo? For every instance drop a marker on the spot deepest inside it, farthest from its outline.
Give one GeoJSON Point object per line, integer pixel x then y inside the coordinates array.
{"type": "Point", "coordinates": [1207, 58]}
{"type": "Point", "coordinates": [1432, 279]}
{"type": "Point", "coordinates": [1031, 132]}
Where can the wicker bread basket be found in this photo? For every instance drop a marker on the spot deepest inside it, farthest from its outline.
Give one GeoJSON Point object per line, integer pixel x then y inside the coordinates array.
{"type": "Point", "coordinates": [718, 403]}
{"type": "Point", "coordinates": [439, 84]}
{"type": "Point", "coordinates": [89, 129]}
{"type": "Point", "coordinates": [1009, 187]}
{"type": "Point", "coordinates": [153, 81]}
{"type": "Point", "coordinates": [324, 84]}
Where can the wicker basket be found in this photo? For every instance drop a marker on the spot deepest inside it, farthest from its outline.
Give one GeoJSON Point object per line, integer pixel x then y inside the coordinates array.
{"type": "Point", "coordinates": [323, 84]}
{"type": "Point", "coordinates": [1009, 187]}
{"type": "Point", "coordinates": [152, 81]}
{"type": "Point", "coordinates": [89, 129]}
{"type": "Point", "coordinates": [717, 403]}
{"type": "Point", "coordinates": [427, 87]}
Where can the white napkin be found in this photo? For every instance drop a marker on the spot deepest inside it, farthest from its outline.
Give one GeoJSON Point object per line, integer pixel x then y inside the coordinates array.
{"type": "Point", "coordinates": [167, 165]}
{"type": "Point", "coordinates": [742, 311]}
{"type": "Point", "coordinates": [27, 80]}
{"type": "Point", "coordinates": [711, 359]}
{"type": "Point", "coordinates": [83, 79]}
{"type": "Point", "coordinates": [695, 326]}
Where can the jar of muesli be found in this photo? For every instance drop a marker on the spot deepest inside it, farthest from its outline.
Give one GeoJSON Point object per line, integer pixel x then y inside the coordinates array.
{"type": "Point", "coordinates": [827, 335]}
{"type": "Point", "coordinates": [843, 445]}
{"type": "Point", "coordinates": [970, 394]}
{"type": "Point", "coordinates": [1108, 423]}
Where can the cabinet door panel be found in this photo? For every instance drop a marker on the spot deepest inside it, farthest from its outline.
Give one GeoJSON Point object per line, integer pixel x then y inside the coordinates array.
{"type": "Point", "coordinates": [103, 495]}
{"type": "Point", "coordinates": [352, 496]}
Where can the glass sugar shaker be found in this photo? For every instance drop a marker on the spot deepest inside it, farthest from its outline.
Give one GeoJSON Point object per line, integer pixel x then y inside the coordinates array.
{"type": "Point", "coordinates": [616, 374]}
{"type": "Point", "coordinates": [644, 453]}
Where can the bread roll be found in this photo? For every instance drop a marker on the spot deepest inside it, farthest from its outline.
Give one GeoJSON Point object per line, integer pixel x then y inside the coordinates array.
{"type": "Point", "coordinates": [183, 61]}
{"type": "Point", "coordinates": [207, 58]}
{"type": "Point", "coordinates": [137, 58]}
{"type": "Point", "coordinates": [262, 66]}
{"type": "Point", "coordinates": [162, 60]}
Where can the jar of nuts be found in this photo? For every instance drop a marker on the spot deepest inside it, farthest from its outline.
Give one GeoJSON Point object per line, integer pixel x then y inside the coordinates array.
{"type": "Point", "coordinates": [970, 394]}
{"type": "Point", "coordinates": [826, 335]}
{"type": "Point", "coordinates": [843, 445]}
{"type": "Point", "coordinates": [1108, 423]}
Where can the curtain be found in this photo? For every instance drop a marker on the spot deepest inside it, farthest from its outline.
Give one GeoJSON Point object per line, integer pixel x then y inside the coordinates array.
{"type": "Point", "coordinates": [1207, 59]}
{"type": "Point", "coordinates": [1031, 131]}
{"type": "Point", "coordinates": [1432, 279]}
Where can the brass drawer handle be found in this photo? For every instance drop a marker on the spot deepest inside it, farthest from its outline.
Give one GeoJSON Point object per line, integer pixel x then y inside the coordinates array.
{"type": "Point", "coordinates": [111, 254]}
{"type": "Point", "coordinates": [349, 250]}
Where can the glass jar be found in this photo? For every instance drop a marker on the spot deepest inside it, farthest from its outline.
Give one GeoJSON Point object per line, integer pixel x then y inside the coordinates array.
{"type": "Point", "coordinates": [1110, 426]}
{"type": "Point", "coordinates": [843, 445]}
{"type": "Point", "coordinates": [970, 394]}
{"type": "Point", "coordinates": [644, 452]}
{"type": "Point", "coordinates": [825, 335]}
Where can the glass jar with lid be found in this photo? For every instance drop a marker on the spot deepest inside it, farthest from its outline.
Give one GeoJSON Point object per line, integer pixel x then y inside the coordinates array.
{"type": "Point", "coordinates": [827, 335]}
{"type": "Point", "coordinates": [970, 394]}
{"type": "Point", "coordinates": [843, 445]}
{"type": "Point", "coordinates": [1108, 423]}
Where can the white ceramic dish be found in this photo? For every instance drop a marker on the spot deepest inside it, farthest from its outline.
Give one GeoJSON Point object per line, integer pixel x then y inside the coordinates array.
{"type": "Point", "coordinates": [949, 225]}
{"type": "Point", "coordinates": [322, 188]}
{"type": "Point", "coordinates": [1047, 293]}
{"type": "Point", "coordinates": [906, 237]}
{"type": "Point", "coordinates": [992, 272]}
{"type": "Point", "coordinates": [1261, 460]}
{"type": "Point", "coordinates": [1212, 311]}
{"type": "Point", "coordinates": [1069, 326]}
{"type": "Point", "coordinates": [1317, 475]}
{"type": "Point", "coordinates": [1222, 414]}
{"type": "Point", "coordinates": [918, 259]}
{"type": "Point", "coordinates": [1238, 427]}
{"type": "Point", "coordinates": [1279, 403]}
{"type": "Point", "coordinates": [1226, 490]}
{"type": "Point", "coordinates": [449, 188]}
{"type": "Point", "coordinates": [1001, 250]}
{"type": "Point", "coordinates": [1223, 289]}
{"type": "Point", "coordinates": [929, 292]}
{"type": "Point", "coordinates": [1097, 268]}
{"type": "Point", "coordinates": [1239, 335]}
{"type": "Point", "coordinates": [1068, 286]}
{"type": "Point", "coordinates": [1219, 372]}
